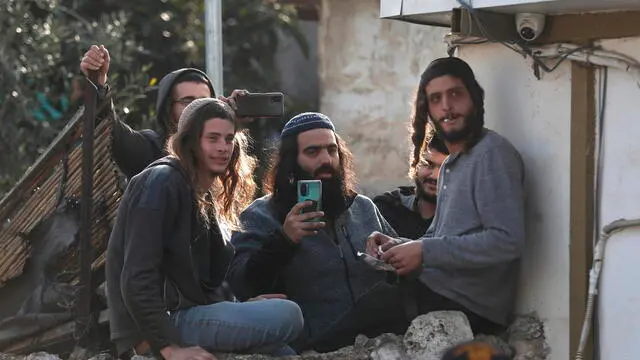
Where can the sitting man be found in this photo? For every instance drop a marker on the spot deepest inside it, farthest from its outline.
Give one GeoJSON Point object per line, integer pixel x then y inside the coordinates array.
{"type": "Point", "coordinates": [470, 256]}
{"type": "Point", "coordinates": [410, 209]}
{"type": "Point", "coordinates": [169, 250]}
{"type": "Point", "coordinates": [316, 263]}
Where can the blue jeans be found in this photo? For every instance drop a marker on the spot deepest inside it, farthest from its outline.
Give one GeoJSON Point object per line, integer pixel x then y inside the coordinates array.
{"type": "Point", "coordinates": [263, 326]}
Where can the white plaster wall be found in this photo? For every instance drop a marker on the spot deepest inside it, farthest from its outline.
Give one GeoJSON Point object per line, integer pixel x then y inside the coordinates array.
{"type": "Point", "coordinates": [621, 180]}
{"type": "Point", "coordinates": [535, 116]}
{"type": "Point", "coordinates": [369, 70]}
{"type": "Point", "coordinates": [619, 286]}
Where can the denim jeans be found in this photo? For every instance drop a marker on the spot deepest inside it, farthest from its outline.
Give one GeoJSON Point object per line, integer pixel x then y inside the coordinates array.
{"type": "Point", "coordinates": [263, 326]}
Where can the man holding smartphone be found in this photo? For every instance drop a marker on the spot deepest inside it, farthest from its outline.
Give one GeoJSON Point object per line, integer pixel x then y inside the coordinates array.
{"type": "Point", "coordinates": [133, 150]}
{"type": "Point", "coordinates": [313, 256]}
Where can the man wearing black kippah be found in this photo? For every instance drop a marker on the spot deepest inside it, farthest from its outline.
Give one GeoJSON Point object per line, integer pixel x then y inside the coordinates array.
{"type": "Point", "coordinates": [317, 264]}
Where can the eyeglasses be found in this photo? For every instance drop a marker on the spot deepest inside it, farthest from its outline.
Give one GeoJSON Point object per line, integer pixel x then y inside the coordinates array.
{"type": "Point", "coordinates": [184, 101]}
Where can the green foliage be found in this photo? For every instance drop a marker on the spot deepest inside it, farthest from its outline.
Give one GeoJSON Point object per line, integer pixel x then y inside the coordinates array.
{"type": "Point", "coordinates": [40, 88]}
{"type": "Point", "coordinates": [171, 35]}
{"type": "Point", "coordinates": [44, 40]}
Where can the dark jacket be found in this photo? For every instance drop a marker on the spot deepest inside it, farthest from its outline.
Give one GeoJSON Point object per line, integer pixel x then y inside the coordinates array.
{"type": "Point", "coordinates": [340, 295]}
{"type": "Point", "coordinates": [399, 208]}
{"type": "Point", "coordinates": [160, 257]}
{"type": "Point", "coordinates": [134, 150]}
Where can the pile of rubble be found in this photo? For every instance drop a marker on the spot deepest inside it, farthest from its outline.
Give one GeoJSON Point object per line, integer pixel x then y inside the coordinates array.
{"type": "Point", "coordinates": [427, 338]}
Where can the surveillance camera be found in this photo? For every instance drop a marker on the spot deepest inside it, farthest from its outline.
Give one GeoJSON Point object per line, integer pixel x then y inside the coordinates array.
{"type": "Point", "coordinates": [530, 25]}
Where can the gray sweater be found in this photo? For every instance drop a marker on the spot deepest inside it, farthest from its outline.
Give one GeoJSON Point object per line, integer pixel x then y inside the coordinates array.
{"type": "Point", "coordinates": [471, 252]}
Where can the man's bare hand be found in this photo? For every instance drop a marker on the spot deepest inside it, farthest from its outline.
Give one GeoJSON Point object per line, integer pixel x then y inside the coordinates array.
{"type": "Point", "coordinates": [268, 296]}
{"type": "Point", "coordinates": [96, 59]}
{"type": "Point", "coordinates": [295, 225]}
{"type": "Point", "coordinates": [232, 101]}
{"type": "Point", "coordinates": [189, 353]}
{"type": "Point", "coordinates": [405, 257]}
{"type": "Point", "coordinates": [378, 243]}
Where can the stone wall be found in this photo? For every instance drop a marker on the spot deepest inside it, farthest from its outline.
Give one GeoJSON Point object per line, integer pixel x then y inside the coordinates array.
{"type": "Point", "coordinates": [369, 71]}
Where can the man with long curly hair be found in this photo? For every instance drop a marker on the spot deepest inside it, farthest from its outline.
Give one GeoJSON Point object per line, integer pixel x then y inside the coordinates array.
{"type": "Point", "coordinates": [316, 263]}
{"type": "Point", "coordinates": [170, 249]}
{"type": "Point", "coordinates": [469, 258]}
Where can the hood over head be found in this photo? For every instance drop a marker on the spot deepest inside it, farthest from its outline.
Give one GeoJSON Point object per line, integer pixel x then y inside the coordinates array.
{"type": "Point", "coordinates": [164, 95]}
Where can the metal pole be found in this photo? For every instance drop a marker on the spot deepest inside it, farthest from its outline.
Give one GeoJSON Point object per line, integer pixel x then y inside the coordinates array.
{"type": "Point", "coordinates": [213, 42]}
{"type": "Point", "coordinates": [84, 308]}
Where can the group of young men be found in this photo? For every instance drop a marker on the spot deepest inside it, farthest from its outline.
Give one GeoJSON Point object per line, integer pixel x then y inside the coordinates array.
{"type": "Point", "coordinates": [196, 266]}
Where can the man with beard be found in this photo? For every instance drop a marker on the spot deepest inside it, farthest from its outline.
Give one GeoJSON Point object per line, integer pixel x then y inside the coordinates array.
{"type": "Point", "coordinates": [317, 263]}
{"type": "Point", "coordinates": [410, 209]}
{"type": "Point", "coordinates": [469, 258]}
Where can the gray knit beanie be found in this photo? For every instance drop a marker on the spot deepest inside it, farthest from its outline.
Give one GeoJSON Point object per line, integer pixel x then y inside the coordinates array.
{"type": "Point", "coordinates": [206, 107]}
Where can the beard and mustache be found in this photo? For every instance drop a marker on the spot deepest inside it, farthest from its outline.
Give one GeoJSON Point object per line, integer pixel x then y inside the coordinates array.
{"type": "Point", "coordinates": [333, 189]}
{"type": "Point", "coordinates": [453, 136]}
{"type": "Point", "coordinates": [422, 194]}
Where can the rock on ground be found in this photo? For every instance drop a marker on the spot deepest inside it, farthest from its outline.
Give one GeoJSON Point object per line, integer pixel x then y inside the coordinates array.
{"type": "Point", "coordinates": [432, 334]}
{"type": "Point", "coordinates": [426, 339]}
{"type": "Point", "coordinates": [526, 336]}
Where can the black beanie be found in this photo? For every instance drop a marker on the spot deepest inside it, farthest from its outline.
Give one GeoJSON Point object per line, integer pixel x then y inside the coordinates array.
{"type": "Point", "coordinates": [449, 66]}
{"type": "Point", "coordinates": [456, 67]}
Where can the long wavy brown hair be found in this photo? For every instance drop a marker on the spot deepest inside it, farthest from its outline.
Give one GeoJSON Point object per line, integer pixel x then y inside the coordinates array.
{"type": "Point", "coordinates": [284, 172]}
{"type": "Point", "coordinates": [421, 127]}
{"type": "Point", "coordinates": [230, 192]}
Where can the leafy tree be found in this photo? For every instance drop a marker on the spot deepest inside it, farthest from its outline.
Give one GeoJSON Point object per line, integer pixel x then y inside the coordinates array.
{"type": "Point", "coordinates": [39, 83]}
{"type": "Point", "coordinates": [43, 41]}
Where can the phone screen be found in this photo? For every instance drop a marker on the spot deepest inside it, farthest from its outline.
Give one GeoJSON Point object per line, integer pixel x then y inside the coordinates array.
{"type": "Point", "coordinates": [310, 190]}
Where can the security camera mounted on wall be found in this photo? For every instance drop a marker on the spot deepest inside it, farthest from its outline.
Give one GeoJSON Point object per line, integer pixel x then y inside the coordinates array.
{"type": "Point", "coordinates": [530, 25]}
{"type": "Point", "coordinates": [497, 26]}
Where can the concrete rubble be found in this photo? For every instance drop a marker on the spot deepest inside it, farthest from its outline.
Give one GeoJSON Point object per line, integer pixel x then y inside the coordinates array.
{"type": "Point", "coordinates": [426, 339]}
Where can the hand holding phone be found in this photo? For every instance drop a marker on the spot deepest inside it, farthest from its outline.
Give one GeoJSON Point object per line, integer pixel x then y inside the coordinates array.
{"type": "Point", "coordinates": [260, 105]}
{"type": "Point", "coordinates": [297, 225]}
{"type": "Point", "coordinates": [310, 190]}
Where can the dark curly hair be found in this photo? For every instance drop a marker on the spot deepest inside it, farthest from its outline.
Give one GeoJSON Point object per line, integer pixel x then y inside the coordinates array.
{"type": "Point", "coordinates": [284, 171]}
{"type": "Point", "coordinates": [421, 127]}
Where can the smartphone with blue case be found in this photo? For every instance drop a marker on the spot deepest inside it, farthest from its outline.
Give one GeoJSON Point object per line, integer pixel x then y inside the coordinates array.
{"type": "Point", "coordinates": [310, 190]}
